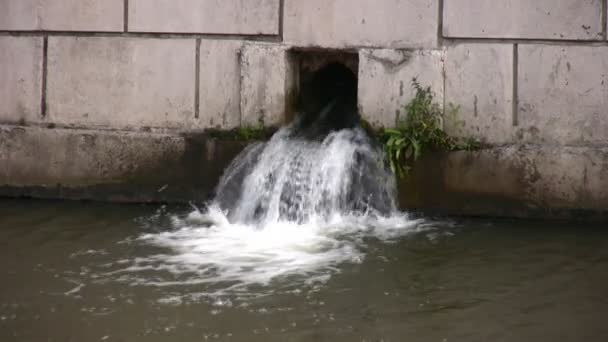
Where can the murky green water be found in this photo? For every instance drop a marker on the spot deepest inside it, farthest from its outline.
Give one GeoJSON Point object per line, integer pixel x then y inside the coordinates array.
{"type": "Point", "coordinates": [67, 275]}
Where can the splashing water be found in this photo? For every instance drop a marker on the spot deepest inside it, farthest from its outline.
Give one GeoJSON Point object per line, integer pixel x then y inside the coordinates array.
{"type": "Point", "coordinates": [293, 208]}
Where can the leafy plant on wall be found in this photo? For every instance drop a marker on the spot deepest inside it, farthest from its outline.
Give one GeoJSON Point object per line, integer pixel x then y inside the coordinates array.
{"type": "Point", "coordinates": [420, 131]}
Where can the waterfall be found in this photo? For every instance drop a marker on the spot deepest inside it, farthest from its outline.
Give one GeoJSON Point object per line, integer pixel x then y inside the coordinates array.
{"type": "Point", "coordinates": [296, 177]}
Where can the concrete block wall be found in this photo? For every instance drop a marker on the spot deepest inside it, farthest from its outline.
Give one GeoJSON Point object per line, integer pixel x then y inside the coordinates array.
{"type": "Point", "coordinates": [120, 82]}
{"type": "Point", "coordinates": [523, 73]}
{"type": "Point", "coordinates": [361, 23]}
{"type": "Point", "coordinates": [199, 64]}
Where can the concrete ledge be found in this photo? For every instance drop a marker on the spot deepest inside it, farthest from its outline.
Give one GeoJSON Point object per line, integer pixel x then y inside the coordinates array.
{"type": "Point", "coordinates": [361, 23]}
{"type": "Point", "coordinates": [62, 15]}
{"type": "Point", "coordinates": [110, 166]}
{"type": "Point", "coordinates": [523, 19]}
{"type": "Point", "coordinates": [20, 79]}
{"type": "Point", "coordinates": [515, 181]}
{"type": "Point", "coordinates": [248, 17]}
{"type": "Point", "coordinates": [512, 181]}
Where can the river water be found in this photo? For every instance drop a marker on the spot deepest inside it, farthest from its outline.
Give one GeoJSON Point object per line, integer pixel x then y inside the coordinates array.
{"type": "Point", "coordinates": [76, 271]}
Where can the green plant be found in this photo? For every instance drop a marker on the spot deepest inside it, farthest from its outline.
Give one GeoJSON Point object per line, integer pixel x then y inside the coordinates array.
{"type": "Point", "coordinates": [247, 133]}
{"type": "Point", "coordinates": [420, 131]}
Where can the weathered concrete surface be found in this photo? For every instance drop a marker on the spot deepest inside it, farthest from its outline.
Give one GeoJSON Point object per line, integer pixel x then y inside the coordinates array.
{"type": "Point", "coordinates": [537, 19]}
{"type": "Point", "coordinates": [116, 166]}
{"type": "Point", "coordinates": [513, 181]}
{"type": "Point", "coordinates": [219, 87]}
{"type": "Point", "coordinates": [62, 15]}
{"type": "Point", "coordinates": [563, 94]}
{"type": "Point", "coordinates": [353, 23]}
{"type": "Point", "coordinates": [205, 16]}
{"type": "Point", "coordinates": [479, 80]}
{"type": "Point", "coordinates": [20, 79]}
{"type": "Point", "coordinates": [266, 84]}
{"type": "Point", "coordinates": [385, 81]}
{"type": "Point", "coordinates": [121, 82]}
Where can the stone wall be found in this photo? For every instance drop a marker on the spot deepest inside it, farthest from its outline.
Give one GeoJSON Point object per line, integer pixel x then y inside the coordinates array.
{"type": "Point", "coordinates": [530, 78]}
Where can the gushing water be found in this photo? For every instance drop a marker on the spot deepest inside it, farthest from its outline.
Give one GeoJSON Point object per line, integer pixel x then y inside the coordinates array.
{"type": "Point", "coordinates": [287, 211]}
{"type": "Point", "coordinates": [293, 208]}
{"type": "Point", "coordinates": [307, 181]}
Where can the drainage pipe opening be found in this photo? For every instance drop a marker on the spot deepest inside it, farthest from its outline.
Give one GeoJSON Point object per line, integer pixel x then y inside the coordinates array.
{"type": "Point", "coordinates": [327, 86]}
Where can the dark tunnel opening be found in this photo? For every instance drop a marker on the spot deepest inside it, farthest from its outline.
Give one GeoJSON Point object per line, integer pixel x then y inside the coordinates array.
{"type": "Point", "coordinates": [327, 97]}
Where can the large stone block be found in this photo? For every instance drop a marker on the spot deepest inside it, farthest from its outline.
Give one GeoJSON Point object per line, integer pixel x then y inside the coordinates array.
{"type": "Point", "coordinates": [348, 23]}
{"type": "Point", "coordinates": [266, 81]}
{"type": "Point", "coordinates": [20, 78]}
{"type": "Point", "coordinates": [513, 181]}
{"type": "Point", "coordinates": [563, 94]}
{"type": "Point", "coordinates": [220, 79]}
{"type": "Point", "coordinates": [539, 176]}
{"type": "Point", "coordinates": [538, 19]}
{"type": "Point", "coordinates": [110, 165]}
{"type": "Point", "coordinates": [62, 15]}
{"type": "Point", "coordinates": [385, 81]}
{"type": "Point", "coordinates": [76, 158]}
{"type": "Point", "coordinates": [571, 177]}
{"type": "Point", "coordinates": [479, 80]}
{"type": "Point", "coordinates": [121, 82]}
{"type": "Point", "coordinates": [205, 16]}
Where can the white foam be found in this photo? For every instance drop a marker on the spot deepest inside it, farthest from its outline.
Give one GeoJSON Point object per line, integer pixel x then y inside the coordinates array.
{"type": "Point", "coordinates": [207, 249]}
